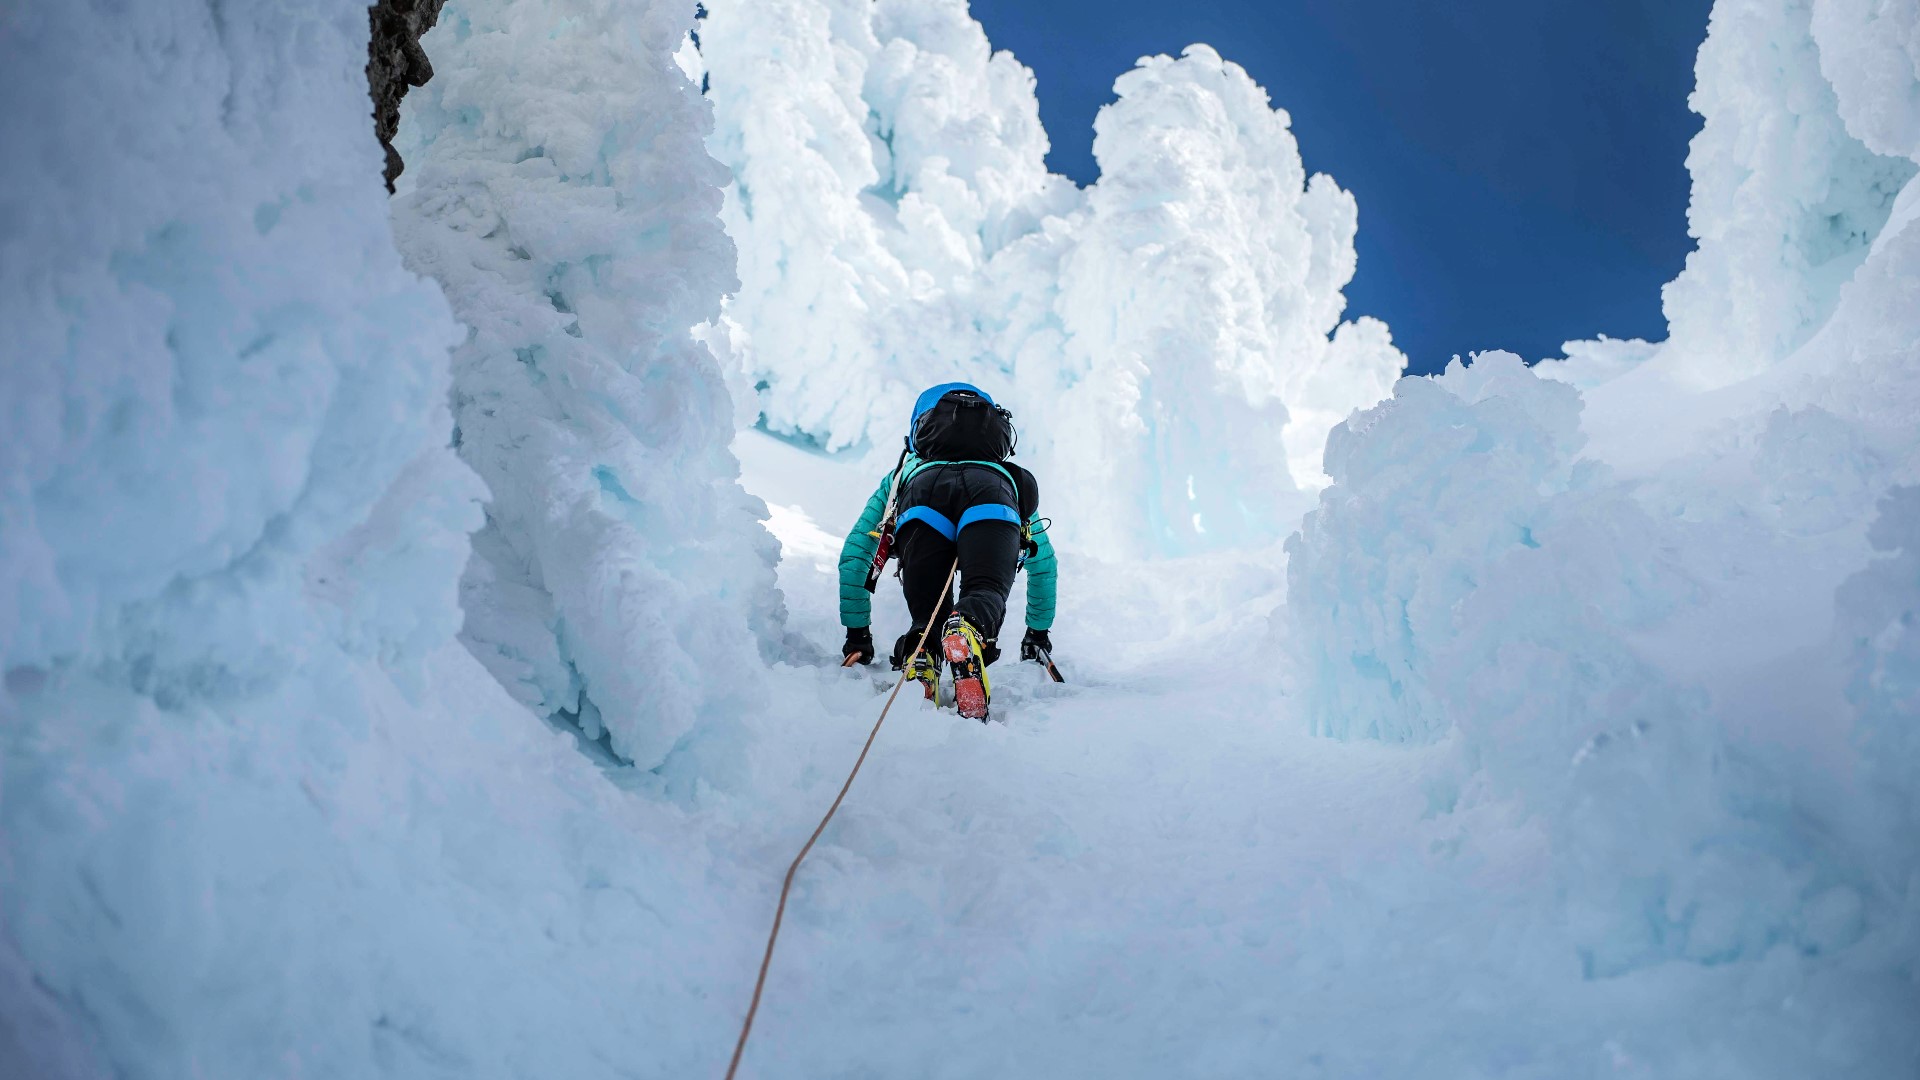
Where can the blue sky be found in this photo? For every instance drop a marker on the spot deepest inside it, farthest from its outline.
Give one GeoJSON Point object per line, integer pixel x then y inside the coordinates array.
{"type": "Point", "coordinates": [1519, 165]}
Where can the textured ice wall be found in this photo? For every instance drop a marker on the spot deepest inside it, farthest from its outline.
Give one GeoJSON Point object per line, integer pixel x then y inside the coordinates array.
{"type": "Point", "coordinates": [897, 227]}
{"type": "Point", "coordinates": [260, 814]}
{"type": "Point", "coordinates": [1786, 194]}
{"type": "Point", "coordinates": [215, 364]}
{"type": "Point", "coordinates": [224, 407]}
{"type": "Point", "coordinates": [881, 155]}
{"type": "Point", "coordinates": [1870, 52]}
{"type": "Point", "coordinates": [562, 196]}
{"type": "Point", "coordinates": [1450, 474]}
{"type": "Point", "coordinates": [1670, 674]}
{"type": "Point", "coordinates": [1879, 632]}
{"type": "Point", "coordinates": [1864, 365]}
{"type": "Point", "coordinates": [1197, 317]}
{"type": "Point", "coordinates": [1468, 576]}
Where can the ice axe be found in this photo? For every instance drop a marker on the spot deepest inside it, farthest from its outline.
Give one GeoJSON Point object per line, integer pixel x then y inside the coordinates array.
{"type": "Point", "coordinates": [1045, 660]}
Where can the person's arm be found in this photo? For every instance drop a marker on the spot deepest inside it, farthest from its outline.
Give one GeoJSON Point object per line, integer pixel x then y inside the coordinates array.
{"type": "Point", "coordinates": [856, 556]}
{"type": "Point", "coordinates": [1042, 569]}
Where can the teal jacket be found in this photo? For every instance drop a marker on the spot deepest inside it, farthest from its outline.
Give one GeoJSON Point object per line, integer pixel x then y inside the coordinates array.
{"type": "Point", "coordinates": [856, 556]}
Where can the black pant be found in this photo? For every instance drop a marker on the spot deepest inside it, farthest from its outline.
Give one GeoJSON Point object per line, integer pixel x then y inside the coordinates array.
{"type": "Point", "coordinates": [989, 551]}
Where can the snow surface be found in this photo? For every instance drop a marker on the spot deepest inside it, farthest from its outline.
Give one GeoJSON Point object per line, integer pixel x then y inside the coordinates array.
{"type": "Point", "coordinates": [1573, 734]}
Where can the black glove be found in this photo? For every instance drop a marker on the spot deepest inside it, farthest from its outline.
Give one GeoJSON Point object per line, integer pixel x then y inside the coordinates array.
{"type": "Point", "coordinates": [859, 644]}
{"type": "Point", "coordinates": [1034, 643]}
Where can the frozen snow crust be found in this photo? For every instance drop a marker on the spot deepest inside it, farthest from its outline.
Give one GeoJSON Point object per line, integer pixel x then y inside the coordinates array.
{"type": "Point", "coordinates": [1583, 745]}
{"type": "Point", "coordinates": [897, 228]}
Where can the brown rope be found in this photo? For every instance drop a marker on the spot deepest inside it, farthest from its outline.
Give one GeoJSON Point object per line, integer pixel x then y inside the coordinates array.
{"type": "Point", "coordinates": [780, 911]}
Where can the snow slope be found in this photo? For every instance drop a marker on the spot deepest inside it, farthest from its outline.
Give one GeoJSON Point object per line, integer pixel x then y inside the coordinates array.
{"type": "Point", "coordinates": [1156, 870]}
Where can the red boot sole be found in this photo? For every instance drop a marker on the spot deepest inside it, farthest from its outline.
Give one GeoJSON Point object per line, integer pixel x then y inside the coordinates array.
{"type": "Point", "coordinates": [970, 698]}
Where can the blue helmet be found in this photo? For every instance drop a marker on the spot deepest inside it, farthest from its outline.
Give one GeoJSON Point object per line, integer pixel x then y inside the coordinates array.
{"type": "Point", "coordinates": [931, 396]}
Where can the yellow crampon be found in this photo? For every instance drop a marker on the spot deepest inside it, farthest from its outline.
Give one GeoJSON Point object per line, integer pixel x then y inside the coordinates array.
{"type": "Point", "coordinates": [924, 670]}
{"type": "Point", "coordinates": [967, 660]}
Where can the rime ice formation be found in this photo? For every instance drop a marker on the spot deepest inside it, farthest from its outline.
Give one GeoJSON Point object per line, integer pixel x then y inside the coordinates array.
{"type": "Point", "coordinates": [1671, 642]}
{"type": "Point", "coordinates": [1787, 192]}
{"type": "Point", "coordinates": [898, 228]}
{"type": "Point", "coordinates": [562, 197]}
{"type": "Point", "coordinates": [260, 813]}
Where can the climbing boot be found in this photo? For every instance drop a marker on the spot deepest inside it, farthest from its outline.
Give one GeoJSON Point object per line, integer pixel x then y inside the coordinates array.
{"type": "Point", "coordinates": [924, 669]}
{"type": "Point", "coordinates": [903, 648]}
{"type": "Point", "coordinates": [961, 645]}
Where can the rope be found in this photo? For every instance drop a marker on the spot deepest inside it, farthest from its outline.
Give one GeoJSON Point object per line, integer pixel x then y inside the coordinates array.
{"type": "Point", "coordinates": [786, 886]}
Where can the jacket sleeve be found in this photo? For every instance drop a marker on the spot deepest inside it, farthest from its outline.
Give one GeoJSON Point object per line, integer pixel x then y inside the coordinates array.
{"type": "Point", "coordinates": [856, 555]}
{"type": "Point", "coordinates": [1042, 569]}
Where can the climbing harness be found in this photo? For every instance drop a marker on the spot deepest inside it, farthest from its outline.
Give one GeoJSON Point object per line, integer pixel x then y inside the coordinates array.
{"type": "Point", "coordinates": [941, 523]}
{"type": "Point", "coordinates": [786, 886]}
{"type": "Point", "coordinates": [892, 520]}
{"type": "Point", "coordinates": [1029, 547]}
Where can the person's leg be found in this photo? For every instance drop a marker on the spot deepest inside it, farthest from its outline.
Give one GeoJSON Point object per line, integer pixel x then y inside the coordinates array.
{"type": "Point", "coordinates": [989, 552]}
{"type": "Point", "coordinates": [925, 558]}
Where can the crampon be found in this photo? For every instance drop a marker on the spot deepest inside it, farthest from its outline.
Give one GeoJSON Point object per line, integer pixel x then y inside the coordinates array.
{"type": "Point", "coordinates": [961, 645]}
{"type": "Point", "coordinates": [924, 669]}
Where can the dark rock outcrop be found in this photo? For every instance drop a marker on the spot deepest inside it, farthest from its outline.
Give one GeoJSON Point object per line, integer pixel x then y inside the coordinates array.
{"type": "Point", "coordinates": [395, 62]}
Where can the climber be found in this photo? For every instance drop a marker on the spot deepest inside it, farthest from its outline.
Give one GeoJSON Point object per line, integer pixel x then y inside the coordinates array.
{"type": "Point", "coordinates": [953, 493]}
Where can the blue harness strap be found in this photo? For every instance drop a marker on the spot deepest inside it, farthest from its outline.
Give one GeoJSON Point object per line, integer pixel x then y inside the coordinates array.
{"type": "Point", "coordinates": [990, 512]}
{"type": "Point", "coordinates": [945, 526]}
{"type": "Point", "coordinates": [941, 523]}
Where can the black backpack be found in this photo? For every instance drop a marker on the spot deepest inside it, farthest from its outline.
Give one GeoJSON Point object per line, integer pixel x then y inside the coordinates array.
{"type": "Point", "coordinates": [963, 426]}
